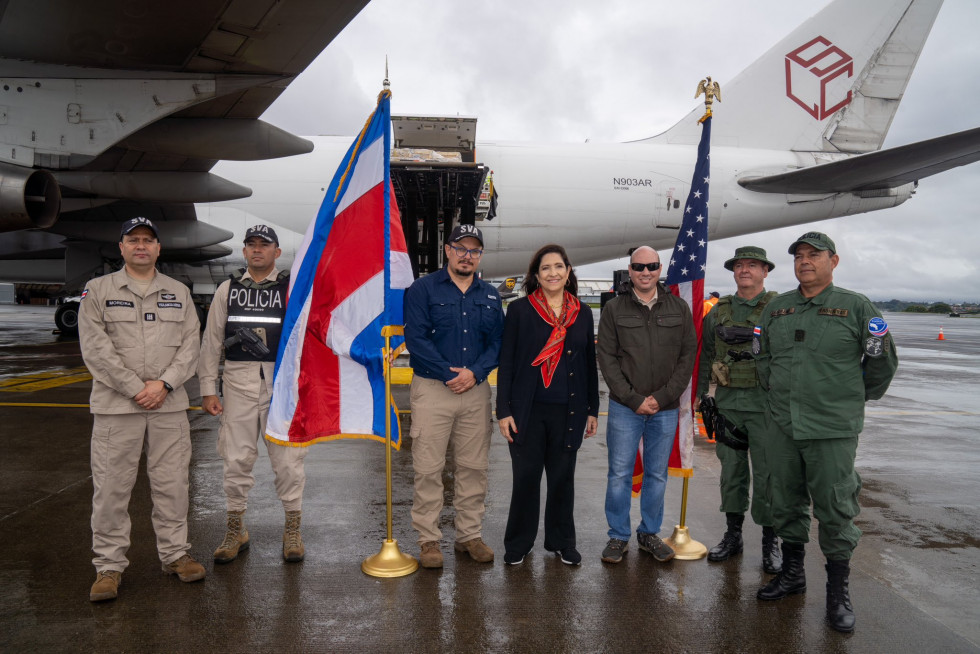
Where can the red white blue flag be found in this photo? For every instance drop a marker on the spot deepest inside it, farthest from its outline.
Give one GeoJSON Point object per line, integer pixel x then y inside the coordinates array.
{"type": "Point", "coordinates": [685, 278]}
{"type": "Point", "coordinates": [347, 282]}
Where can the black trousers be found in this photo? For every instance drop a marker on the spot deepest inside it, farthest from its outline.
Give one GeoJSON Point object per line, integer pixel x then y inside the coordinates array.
{"type": "Point", "coordinates": [542, 449]}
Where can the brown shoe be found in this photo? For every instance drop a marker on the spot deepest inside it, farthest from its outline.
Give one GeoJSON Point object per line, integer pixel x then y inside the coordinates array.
{"type": "Point", "coordinates": [431, 555]}
{"type": "Point", "coordinates": [236, 539]}
{"type": "Point", "coordinates": [186, 569]}
{"type": "Point", "coordinates": [478, 550]}
{"type": "Point", "coordinates": [106, 586]}
{"type": "Point", "coordinates": [292, 542]}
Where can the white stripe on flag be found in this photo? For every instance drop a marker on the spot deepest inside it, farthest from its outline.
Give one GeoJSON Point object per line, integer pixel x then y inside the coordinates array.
{"type": "Point", "coordinates": [356, 399]}
{"type": "Point", "coordinates": [286, 384]}
{"type": "Point", "coordinates": [401, 270]}
{"type": "Point", "coordinates": [355, 313]}
{"type": "Point", "coordinates": [367, 173]}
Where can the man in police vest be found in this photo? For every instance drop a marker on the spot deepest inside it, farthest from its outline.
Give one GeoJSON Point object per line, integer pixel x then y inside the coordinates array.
{"type": "Point", "coordinates": [825, 351]}
{"type": "Point", "coordinates": [138, 331]}
{"type": "Point", "coordinates": [245, 320]}
{"type": "Point", "coordinates": [727, 359]}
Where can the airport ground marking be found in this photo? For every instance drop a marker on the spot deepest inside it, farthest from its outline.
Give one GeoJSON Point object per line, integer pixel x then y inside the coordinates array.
{"type": "Point", "coordinates": [44, 380]}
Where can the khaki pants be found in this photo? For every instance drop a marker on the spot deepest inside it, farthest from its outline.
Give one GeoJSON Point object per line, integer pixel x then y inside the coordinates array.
{"type": "Point", "coordinates": [440, 417]}
{"type": "Point", "coordinates": [242, 426]}
{"type": "Point", "coordinates": [117, 442]}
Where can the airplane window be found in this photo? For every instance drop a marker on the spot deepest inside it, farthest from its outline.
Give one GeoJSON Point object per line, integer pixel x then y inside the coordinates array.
{"type": "Point", "coordinates": [677, 204]}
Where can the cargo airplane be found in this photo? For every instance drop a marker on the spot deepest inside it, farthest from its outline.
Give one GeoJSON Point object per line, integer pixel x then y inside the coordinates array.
{"type": "Point", "coordinates": [111, 109]}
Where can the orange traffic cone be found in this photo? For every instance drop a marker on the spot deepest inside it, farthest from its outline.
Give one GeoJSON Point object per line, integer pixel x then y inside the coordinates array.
{"type": "Point", "coordinates": [940, 337]}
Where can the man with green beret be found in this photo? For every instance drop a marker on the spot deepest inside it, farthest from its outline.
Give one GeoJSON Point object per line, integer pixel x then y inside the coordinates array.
{"type": "Point", "coordinates": [825, 351]}
{"type": "Point", "coordinates": [727, 359]}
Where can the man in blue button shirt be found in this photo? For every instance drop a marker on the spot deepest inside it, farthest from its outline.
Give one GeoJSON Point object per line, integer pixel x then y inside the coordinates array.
{"type": "Point", "coordinates": [453, 326]}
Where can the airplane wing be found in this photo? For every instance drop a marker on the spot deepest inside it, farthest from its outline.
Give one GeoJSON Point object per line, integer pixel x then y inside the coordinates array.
{"type": "Point", "coordinates": [875, 170]}
{"type": "Point", "coordinates": [114, 108]}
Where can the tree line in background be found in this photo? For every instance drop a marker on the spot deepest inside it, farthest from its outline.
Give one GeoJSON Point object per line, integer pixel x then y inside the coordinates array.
{"type": "Point", "coordinates": [935, 307]}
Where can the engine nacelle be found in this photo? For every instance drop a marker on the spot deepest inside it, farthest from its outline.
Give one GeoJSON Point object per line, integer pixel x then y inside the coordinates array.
{"type": "Point", "coordinates": [28, 198]}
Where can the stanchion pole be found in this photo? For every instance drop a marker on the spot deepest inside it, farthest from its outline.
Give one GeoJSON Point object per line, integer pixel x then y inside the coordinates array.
{"type": "Point", "coordinates": [389, 562]}
{"type": "Point", "coordinates": [685, 548]}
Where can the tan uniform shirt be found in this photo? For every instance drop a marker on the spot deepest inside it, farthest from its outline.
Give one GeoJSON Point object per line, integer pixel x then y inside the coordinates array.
{"type": "Point", "coordinates": [127, 340]}
{"type": "Point", "coordinates": [242, 376]}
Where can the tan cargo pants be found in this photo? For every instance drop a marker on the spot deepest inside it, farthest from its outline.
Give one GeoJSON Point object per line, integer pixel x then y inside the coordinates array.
{"type": "Point", "coordinates": [117, 442]}
{"type": "Point", "coordinates": [242, 426]}
{"type": "Point", "coordinates": [440, 418]}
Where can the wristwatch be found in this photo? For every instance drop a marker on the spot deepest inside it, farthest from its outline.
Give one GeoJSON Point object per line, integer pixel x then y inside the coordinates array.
{"type": "Point", "coordinates": [170, 389]}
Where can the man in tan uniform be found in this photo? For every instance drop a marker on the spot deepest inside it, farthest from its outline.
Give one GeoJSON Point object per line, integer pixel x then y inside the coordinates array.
{"type": "Point", "coordinates": [254, 300]}
{"type": "Point", "coordinates": [139, 336]}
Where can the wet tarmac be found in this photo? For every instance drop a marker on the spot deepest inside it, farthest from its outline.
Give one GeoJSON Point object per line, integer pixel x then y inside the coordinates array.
{"type": "Point", "coordinates": [914, 582]}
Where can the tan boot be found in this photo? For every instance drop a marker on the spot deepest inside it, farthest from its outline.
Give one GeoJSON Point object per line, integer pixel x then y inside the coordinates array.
{"type": "Point", "coordinates": [236, 538]}
{"type": "Point", "coordinates": [431, 555]}
{"type": "Point", "coordinates": [186, 569]}
{"type": "Point", "coordinates": [106, 586]}
{"type": "Point", "coordinates": [292, 541]}
{"type": "Point", "coordinates": [477, 549]}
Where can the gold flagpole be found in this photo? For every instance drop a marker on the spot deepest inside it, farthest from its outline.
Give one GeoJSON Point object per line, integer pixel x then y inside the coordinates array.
{"type": "Point", "coordinates": [685, 548]}
{"type": "Point", "coordinates": [389, 562]}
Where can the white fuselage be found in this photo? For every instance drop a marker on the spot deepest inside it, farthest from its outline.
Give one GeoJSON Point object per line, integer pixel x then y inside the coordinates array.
{"type": "Point", "coordinates": [597, 200]}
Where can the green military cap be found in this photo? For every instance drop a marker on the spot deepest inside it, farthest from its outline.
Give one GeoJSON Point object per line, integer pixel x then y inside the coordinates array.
{"type": "Point", "coordinates": [818, 240]}
{"type": "Point", "coordinates": [749, 252]}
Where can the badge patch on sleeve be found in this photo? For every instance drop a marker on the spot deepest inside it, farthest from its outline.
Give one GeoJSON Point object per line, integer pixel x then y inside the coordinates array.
{"type": "Point", "coordinates": [756, 340]}
{"type": "Point", "coordinates": [873, 347]}
{"type": "Point", "coordinates": [877, 327]}
{"type": "Point", "coordinates": [84, 293]}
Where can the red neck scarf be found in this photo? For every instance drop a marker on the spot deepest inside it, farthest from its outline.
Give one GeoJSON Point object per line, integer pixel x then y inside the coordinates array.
{"type": "Point", "coordinates": [550, 354]}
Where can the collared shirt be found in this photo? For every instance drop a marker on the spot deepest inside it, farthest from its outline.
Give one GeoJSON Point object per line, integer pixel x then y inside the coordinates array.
{"type": "Point", "coordinates": [815, 361]}
{"type": "Point", "coordinates": [653, 300]}
{"type": "Point", "coordinates": [128, 338]}
{"type": "Point", "coordinates": [244, 376]}
{"type": "Point", "coordinates": [445, 327]}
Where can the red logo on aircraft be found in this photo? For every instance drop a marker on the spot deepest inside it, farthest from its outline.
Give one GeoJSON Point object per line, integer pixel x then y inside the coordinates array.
{"type": "Point", "coordinates": [816, 77]}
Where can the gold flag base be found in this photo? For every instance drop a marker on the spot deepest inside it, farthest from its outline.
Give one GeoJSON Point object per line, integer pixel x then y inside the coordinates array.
{"type": "Point", "coordinates": [389, 562]}
{"type": "Point", "coordinates": [684, 548]}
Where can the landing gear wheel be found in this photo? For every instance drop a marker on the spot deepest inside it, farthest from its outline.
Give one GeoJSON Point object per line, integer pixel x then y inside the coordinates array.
{"type": "Point", "coordinates": [66, 318]}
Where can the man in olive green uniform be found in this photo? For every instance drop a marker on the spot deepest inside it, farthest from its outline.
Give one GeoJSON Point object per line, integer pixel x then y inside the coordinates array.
{"type": "Point", "coordinates": [138, 331]}
{"type": "Point", "coordinates": [825, 351]}
{"type": "Point", "coordinates": [726, 358]}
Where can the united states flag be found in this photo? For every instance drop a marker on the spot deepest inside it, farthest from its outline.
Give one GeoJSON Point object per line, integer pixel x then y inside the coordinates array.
{"type": "Point", "coordinates": [685, 278]}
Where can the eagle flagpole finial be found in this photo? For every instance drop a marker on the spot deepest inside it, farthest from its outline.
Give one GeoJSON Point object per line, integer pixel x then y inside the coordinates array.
{"type": "Point", "coordinates": [712, 92]}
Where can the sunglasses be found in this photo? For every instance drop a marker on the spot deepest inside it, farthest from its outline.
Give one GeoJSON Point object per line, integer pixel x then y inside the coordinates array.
{"type": "Point", "coordinates": [638, 267]}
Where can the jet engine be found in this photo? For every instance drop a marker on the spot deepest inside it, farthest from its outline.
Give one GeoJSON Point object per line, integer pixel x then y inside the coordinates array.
{"type": "Point", "coordinates": [28, 198]}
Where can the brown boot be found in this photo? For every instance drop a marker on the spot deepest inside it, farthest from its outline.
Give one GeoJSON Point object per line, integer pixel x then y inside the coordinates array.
{"type": "Point", "coordinates": [431, 555]}
{"type": "Point", "coordinates": [236, 539]}
{"type": "Point", "coordinates": [477, 549]}
{"type": "Point", "coordinates": [106, 586]}
{"type": "Point", "coordinates": [292, 541]}
{"type": "Point", "coordinates": [186, 569]}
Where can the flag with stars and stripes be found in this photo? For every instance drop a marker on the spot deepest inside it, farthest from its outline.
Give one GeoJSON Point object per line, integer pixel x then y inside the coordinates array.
{"type": "Point", "coordinates": [685, 278]}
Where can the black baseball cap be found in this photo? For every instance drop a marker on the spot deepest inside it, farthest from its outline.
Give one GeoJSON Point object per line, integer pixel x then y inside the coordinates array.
{"type": "Point", "coordinates": [139, 221]}
{"type": "Point", "coordinates": [466, 231]}
{"type": "Point", "coordinates": [264, 232]}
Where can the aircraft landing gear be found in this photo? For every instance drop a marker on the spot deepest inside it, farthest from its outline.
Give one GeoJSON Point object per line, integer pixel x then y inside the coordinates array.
{"type": "Point", "coordinates": [66, 318]}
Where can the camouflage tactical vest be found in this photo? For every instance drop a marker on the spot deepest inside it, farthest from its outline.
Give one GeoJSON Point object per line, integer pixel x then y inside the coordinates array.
{"type": "Point", "coordinates": [735, 353]}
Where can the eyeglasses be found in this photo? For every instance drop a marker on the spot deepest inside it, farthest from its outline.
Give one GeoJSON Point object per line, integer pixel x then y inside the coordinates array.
{"type": "Point", "coordinates": [476, 253]}
{"type": "Point", "coordinates": [638, 267]}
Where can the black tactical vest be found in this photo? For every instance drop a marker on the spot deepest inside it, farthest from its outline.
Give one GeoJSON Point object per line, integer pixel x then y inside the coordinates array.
{"type": "Point", "coordinates": [260, 307]}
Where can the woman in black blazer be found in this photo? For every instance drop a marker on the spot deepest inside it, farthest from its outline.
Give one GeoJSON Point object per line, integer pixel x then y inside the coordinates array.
{"type": "Point", "coordinates": [547, 399]}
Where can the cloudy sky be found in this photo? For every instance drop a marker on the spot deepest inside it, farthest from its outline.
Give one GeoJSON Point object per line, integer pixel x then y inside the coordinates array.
{"type": "Point", "coordinates": [544, 71]}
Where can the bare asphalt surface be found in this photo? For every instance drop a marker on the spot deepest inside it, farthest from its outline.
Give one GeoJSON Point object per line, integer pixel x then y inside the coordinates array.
{"type": "Point", "coordinates": [914, 582]}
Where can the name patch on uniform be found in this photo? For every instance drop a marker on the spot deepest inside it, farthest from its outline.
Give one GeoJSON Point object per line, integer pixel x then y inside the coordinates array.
{"type": "Point", "coordinates": [149, 317]}
{"type": "Point", "coordinates": [827, 311]}
{"type": "Point", "coordinates": [119, 303]}
{"type": "Point", "coordinates": [169, 305]}
{"type": "Point", "coordinates": [877, 327]}
{"type": "Point", "coordinates": [168, 296]}
{"type": "Point", "coordinates": [783, 312]}
{"type": "Point", "coordinates": [873, 347]}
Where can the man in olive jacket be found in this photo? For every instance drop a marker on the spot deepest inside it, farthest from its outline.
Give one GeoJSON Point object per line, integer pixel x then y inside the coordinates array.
{"type": "Point", "coordinates": [646, 349]}
{"type": "Point", "coordinates": [824, 352]}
